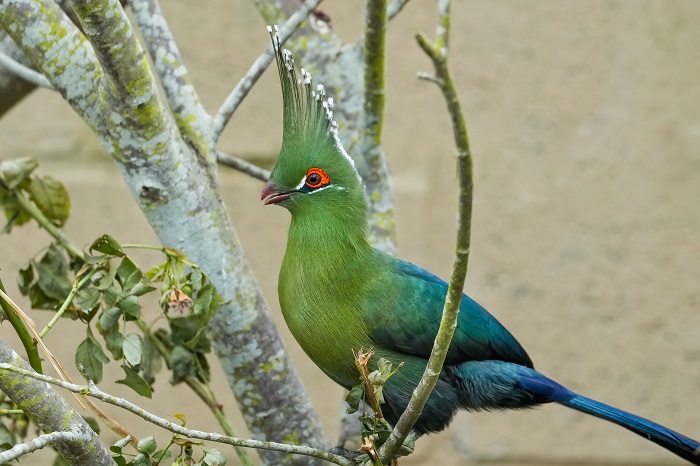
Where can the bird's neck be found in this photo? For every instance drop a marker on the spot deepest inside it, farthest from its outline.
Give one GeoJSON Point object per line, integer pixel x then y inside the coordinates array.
{"type": "Point", "coordinates": [328, 237]}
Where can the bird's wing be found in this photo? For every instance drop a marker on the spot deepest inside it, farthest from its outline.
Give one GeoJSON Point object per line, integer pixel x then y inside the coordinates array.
{"type": "Point", "coordinates": [410, 326]}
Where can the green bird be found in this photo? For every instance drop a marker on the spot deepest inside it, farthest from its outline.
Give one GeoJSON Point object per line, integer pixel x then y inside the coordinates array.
{"type": "Point", "coordinates": [339, 295]}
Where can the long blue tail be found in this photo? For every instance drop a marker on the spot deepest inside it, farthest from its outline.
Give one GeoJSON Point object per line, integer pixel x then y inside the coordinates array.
{"type": "Point", "coordinates": [544, 389]}
{"type": "Point", "coordinates": [679, 444]}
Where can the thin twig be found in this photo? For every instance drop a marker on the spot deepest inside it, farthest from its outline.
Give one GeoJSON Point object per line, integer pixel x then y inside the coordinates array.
{"type": "Point", "coordinates": [239, 92]}
{"type": "Point", "coordinates": [361, 360]}
{"type": "Point", "coordinates": [77, 284]}
{"type": "Point", "coordinates": [201, 390]}
{"type": "Point", "coordinates": [25, 72]}
{"type": "Point", "coordinates": [438, 53]}
{"type": "Point", "coordinates": [93, 391]}
{"type": "Point", "coordinates": [241, 165]}
{"type": "Point", "coordinates": [29, 207]}
{"type": "Point", "coordinates": [395, 8]}
{"type": "Point", "coordinates": [44, 440]}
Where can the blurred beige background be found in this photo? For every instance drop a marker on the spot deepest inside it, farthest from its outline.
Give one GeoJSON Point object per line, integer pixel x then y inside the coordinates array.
{"type": "Point", "coordinates": [584, 120]}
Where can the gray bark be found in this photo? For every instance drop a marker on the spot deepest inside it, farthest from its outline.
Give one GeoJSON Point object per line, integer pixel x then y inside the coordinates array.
{"type": "Point", "coordinates": [177, 192]}
{"type": "Point", "coordinates": [52, 413]}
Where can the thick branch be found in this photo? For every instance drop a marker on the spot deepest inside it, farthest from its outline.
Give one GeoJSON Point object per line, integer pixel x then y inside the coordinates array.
{"type": "Point", "coordinates": [193, 121]}
{"type": "Point", "coordinates": [51, 412]}
{"type": "Point", "coordinates": [60, 52]}
{"type": "Point", "coordinates": [182, 202]}
{"type": "Point", "coordinates": [372, 163]}
{"type": "Point", "coordinates": [438, 53]}
{"type": "Point", "coordinates": [93, 391]}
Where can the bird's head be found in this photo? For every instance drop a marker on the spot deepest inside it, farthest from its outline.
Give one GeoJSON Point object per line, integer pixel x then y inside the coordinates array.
{"type": "Point", "coordinates": [313, 170]}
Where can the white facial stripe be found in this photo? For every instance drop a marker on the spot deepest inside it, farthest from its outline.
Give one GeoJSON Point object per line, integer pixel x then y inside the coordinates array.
{"type": "Point", "coordinates": [301, 183]}
{"type": "Point", "coordinates": [339, 188]}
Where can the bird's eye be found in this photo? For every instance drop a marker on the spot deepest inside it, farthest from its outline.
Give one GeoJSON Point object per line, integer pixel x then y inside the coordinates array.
{"type": "Point", "coordinates": [315, 178]}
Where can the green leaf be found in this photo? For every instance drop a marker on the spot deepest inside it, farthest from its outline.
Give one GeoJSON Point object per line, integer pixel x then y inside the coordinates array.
{"type": "Point", "coordinates": [162, 455]}
{"type": "Point", "coordinates": [133, 349]}
{"type": "Point", "coordinates": [183, 364]}
{"type": "Point", "coordinates": [407, 446]}
{"type": "Point", "coordinates": [6, 436]}
{"type": "Point", "coordinates": [14, 172]}
{"type": "Point", "coordinates": [15, 216]}
{"type": "Point", "coordinates": [53, 280]}
{"type": "Point", "coordinates": [130, 307]}
{"type": "Point", "coordinates": [110, 296]}
{"type": "Point", "coordinates": [354, 397]}
{"type": "Point", "coordinates": [207, 302]}
{"type": "Point", "coordinates": [152, 360]}
{"type": "Point", "coordinates": [134, 381]}
{"type": "Point", "coordinates": [60, 461]}
{"type": "Point", "coordinates": [107, 245]}
{"type": "Point", "coordinates": [214, 457]}
{"type": "Point", "coordinates": [114, 339]}
{"type": "Point", "coordinates": [88, 298]}
{"type": "Point", "coordinates": [90, 355]}
{"type": "Point", "coordinates": [142, 460]}
{"type": "Point", "coordinates": [109, 319]}
{"type": "Point", "coordinates": [39, 300]}
{"type": "Point", "coordinates": [132, 280]}
{"type": "Point", "coordinates": [147, 445]}
{"type": "Point", "coordinates": [92, 422]}
{"type": "Point", "coordinates": [104, 278]}
{"type": "Point", "coordinates": [25, 279]}
{"type": "Point", "coordinates": [120, 444]}
{"type": "Point", "coordinates": [155, 272]}
{"type": "Point", "coordinates": [51, 197]}
{"type": "Point", "coordinates": [190, 332]}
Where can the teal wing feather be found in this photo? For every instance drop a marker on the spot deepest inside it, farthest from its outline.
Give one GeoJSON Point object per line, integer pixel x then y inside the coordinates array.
{"type": "Point", "coordinates": [417, 309]}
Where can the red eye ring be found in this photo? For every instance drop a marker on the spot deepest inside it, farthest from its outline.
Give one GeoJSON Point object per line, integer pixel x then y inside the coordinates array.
{"type": "Point", "coordinates": [315, 178]}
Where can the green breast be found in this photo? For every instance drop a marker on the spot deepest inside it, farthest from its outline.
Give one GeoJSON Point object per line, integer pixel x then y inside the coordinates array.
{"type": "Point", "coordinates": [324, 311]}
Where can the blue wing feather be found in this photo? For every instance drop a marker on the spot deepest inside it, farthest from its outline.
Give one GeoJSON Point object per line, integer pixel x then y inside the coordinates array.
{"type": "Point", "coordinates": [412, 325]}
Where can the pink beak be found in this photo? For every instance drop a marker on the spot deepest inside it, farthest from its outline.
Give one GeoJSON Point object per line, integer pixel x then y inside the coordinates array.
{"type": "Point", "coordinates": [271, 194]}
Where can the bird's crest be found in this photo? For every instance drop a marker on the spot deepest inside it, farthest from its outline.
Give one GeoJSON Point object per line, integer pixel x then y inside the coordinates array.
{"type": "Point", "coordinates": [307, 110]}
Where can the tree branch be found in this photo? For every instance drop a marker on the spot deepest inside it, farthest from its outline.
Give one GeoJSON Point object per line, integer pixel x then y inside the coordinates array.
{"type": "Point", "coordinates": [42, 441]}
{"type": "Point", "coordinates": [12, 88]}
{"type": "Point", "coordinates": [239, 92]}
{"type": "Point", "coordinates": [22, 332]}
{"type": "Point", "coordinates": [194, 123]}
{"type": "Point", "coordinates": [243, 166]}
{"type": "Point", "coordinates": [395, 8]}
{"type": "Point", "coordinates": [25, 72]}
{"type": "Point", "coordinates": [372, 165]}
{"type": "Point", "coordinates": [93, 391]}
{"type": "Point", "coordinates": [180, 200]}
{"type": "Point", "coordinates": [61, 53]}
{"type": "Point", "coordinates": [438, 53]}
{"type": "Point", "coordinates": [50, 412]}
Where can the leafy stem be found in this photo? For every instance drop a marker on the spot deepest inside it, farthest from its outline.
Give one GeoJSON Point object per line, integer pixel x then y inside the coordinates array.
{"type": "Point", "coordinates": [202, 390]}
{"type": "Point", "coordinates": [437, 51]}
{"type": "Point", "coordinates": [78, 283]}
{"type": "Point", "coordinates": [22, 332]}
{"type": "Point", "coordinates": [29, 207]}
